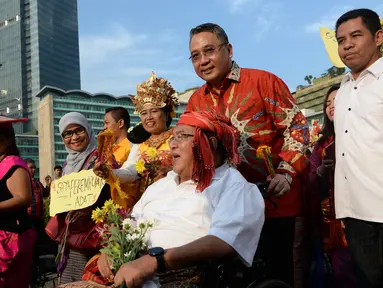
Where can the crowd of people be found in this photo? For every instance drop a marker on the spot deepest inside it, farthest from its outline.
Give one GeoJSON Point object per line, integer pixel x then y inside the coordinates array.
{"type": "Point", "coordinates": [318, 224]}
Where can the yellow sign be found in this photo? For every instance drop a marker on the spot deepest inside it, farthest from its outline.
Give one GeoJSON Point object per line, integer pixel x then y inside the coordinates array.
{"type": "Point", "coordinates": [329, 39]}
{"type": "Point", "coordinates": [75, 191]}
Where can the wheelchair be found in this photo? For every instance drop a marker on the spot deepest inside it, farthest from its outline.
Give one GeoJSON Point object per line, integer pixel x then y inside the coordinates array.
{"type": "Point", "coordinates": [45, 265]}
{"type": "Point", "coordinates": [235, 274]}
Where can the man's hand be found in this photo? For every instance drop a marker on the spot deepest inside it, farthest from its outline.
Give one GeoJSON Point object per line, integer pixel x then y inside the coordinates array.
{"type": "Point", "coordinates": [135, 273]}
{"type": "Point", "coordinates": [278, 186]}
{"type": "Point", "coordinates": [101, 170]}
{"type": "Point", "coordinates": [105, 267]}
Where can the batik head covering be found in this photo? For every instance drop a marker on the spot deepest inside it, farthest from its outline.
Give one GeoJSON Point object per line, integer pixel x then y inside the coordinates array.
{"type": "Point", "coordinates": [75, 159]}
{"type": "Point", "coordinates": [221, 127]}
{"type": "Point", "coordinates": [156, 91]}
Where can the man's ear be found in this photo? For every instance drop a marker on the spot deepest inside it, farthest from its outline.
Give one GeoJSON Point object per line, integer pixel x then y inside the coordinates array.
{"type": "Point", "coordinates": [121, 123]}
{"type": "Point", "coordinates": [213, 143]}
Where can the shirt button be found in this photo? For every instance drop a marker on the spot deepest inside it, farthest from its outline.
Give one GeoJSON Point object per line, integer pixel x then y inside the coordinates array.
{"type": "Point", "coordinates": [355, 88]}
{"type": "Point", "coordinates": [346, 131]}
{"type": "Point", "coordinates": [342, 154]}
{"type": "Point", "coordinates": [349, 109]}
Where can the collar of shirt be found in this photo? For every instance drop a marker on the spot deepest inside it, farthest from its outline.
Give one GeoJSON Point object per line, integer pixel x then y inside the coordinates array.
{"type": "Point", "coordinates": [234, 75]}
{"type": "Point", "coordinates": [219, 172]}
{"type": "Point", "coordinates": [376, 70]}
{"type": "Point", "coordinates": [124, 143]}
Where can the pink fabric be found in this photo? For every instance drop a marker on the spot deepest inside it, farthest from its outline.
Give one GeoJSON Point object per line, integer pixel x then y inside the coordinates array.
{"type": "Point", "coordinates": [16, 258]}
{"type": "Point", "coordinates": [16, 250]}
{"type": "Point", "coordinates": [8, 162]}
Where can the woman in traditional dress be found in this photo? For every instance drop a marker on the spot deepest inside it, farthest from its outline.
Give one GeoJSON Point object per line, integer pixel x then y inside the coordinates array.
{"type": "Point", "coordinates": [17, 237]}
{"type": "Point", "coordinates": [80, 143]}
{"type": "Point", "coordinates": [322, 164]}
{"type": "Point", "coordinates": [155, 103]}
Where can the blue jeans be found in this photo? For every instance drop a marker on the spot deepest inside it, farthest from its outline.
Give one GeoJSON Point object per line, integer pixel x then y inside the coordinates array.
{"type": "Point", "coordinates": [365, 241]}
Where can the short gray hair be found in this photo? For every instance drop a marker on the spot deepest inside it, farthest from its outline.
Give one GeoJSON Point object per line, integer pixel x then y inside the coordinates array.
{"type": "Point", "coordinates": [212, 28]}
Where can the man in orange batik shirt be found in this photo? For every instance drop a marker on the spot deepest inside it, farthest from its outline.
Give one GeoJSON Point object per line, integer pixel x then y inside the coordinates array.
{"type": "Point", "coordinates": [118, 120]}
{"type": "Point", "coordinates": [261, 107]}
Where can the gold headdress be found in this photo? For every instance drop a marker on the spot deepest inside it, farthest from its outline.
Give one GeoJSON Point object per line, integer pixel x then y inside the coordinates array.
{"type": "Point", "coordinates": [156, 91]}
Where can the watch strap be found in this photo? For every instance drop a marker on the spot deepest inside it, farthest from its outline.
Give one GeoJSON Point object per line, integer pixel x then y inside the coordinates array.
{"type": "Point", "coordinates": [161, 263]}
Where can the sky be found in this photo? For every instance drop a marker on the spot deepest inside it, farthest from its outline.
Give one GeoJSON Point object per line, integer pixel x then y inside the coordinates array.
{"type": "Point", "coordinates": [123, 41]}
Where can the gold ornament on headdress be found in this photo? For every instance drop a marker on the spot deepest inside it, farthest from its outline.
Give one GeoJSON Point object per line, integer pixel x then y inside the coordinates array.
{"type": "Point", "coordinates": [156, 91]}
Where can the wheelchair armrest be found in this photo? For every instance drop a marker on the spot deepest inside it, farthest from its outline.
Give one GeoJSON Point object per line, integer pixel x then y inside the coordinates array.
{"type": "Point", "coordinates": [216, 273]}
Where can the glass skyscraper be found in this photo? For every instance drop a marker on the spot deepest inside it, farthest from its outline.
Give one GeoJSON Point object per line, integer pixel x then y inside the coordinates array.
{"type": "Point", "coordinates": [38, 46]}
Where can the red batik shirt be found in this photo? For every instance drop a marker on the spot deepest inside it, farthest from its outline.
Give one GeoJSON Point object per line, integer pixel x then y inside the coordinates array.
{"type": "Point", "coordinates": [260, 105]}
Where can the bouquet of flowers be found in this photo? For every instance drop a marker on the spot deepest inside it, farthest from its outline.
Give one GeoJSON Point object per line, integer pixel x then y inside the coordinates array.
{"type": "Point", "coordinates": [105, 141]}
{"type": "Point", "coordinates": [151, 164]}
{"type": "Point", "coordinates": [123, 238]}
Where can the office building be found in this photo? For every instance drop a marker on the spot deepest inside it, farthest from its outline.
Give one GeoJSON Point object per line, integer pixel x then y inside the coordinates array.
{"type": "Point", "coordinates": [38, 46]}
{"type": "Point", "coordinates": [310, 99]}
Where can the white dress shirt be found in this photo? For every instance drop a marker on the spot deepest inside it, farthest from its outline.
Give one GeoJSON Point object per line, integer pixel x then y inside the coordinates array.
{"type": "Point", "coordinates": [359, 146]}
{"type": "Point", "coordinates": [231, 209]}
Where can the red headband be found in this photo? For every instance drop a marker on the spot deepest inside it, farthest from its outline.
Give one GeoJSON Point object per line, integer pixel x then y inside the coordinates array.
{"type": "Point", "coordinates": [221, 127]}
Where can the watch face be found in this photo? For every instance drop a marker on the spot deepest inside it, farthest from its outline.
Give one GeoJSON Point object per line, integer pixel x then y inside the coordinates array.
{"type": "Point", "coordinates": [156, 251]}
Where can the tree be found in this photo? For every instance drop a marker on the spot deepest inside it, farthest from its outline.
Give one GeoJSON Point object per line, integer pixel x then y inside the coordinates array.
{"type": "Point", "coordinates": [309, 79]}
{"type": "Point", "coordinates": [335, 71]}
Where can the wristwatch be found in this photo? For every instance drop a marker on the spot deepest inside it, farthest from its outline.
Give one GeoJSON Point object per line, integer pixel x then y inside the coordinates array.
{"type": "Point", "coordinates": [158, 252]}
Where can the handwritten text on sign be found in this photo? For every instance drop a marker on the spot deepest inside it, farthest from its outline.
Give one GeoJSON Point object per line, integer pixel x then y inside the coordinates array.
{"type": "Point", "coordinates": [331, 44]}
{"type": "Point", "coordinates": [75, 191]}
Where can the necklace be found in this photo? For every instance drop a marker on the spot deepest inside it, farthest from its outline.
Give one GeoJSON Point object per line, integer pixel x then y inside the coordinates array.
{"type": "Point", "coordinates": [156, 142]}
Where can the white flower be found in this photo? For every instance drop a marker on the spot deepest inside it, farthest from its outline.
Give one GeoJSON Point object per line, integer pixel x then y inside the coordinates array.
{"type": "Point", "coordinates": [128, 224]}
{"type": "Point", "coordinates": [129, 255]}
{"type": "Point", "coordinates": [145, 223]}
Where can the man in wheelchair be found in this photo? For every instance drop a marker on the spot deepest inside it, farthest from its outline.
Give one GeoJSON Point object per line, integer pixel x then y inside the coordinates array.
{"type": "Point", "coordinates": [204, 209]}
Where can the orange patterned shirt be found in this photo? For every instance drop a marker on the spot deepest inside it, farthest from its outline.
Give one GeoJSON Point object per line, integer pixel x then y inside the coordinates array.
{"type": "Point", "coordinates": [260, 105]}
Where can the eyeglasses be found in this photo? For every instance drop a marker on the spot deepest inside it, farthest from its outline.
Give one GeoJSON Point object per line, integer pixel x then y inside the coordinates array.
{"type": "Point", "coordinates": [69, 133]}
{"type": "Point", "coordinates": [207, 52]}
{"type": "Point", "coordinates": [179, 138]}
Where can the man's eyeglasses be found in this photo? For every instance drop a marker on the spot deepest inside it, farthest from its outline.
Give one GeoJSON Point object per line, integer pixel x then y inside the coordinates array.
{"type": "Point", "coordinates": [179, 138]}
{"type": "Point", "coordinates": [208, 51]}
{"type": "Point", "coordinates": [69, 133]}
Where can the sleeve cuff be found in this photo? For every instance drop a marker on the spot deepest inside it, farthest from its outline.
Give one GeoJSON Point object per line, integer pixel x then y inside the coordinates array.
{"type": "Point", "coordinates": [286, 168]}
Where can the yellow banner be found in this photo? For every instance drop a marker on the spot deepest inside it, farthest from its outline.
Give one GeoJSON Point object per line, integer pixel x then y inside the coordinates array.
{"type": "Point", "coordinates": [329, 39]}
{"type": "Point", "coordinates": [75, 191]}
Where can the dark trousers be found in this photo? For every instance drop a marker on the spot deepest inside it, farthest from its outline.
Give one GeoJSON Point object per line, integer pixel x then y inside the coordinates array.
{"type": "Point", "coordinates": [365, 241]}
{"type": "Point", "coordinates": [276, 248]}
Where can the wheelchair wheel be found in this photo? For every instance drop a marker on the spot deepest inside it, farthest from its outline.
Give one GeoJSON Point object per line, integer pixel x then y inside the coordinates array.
{"type": "Point", "coordinates": [269, 283]}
